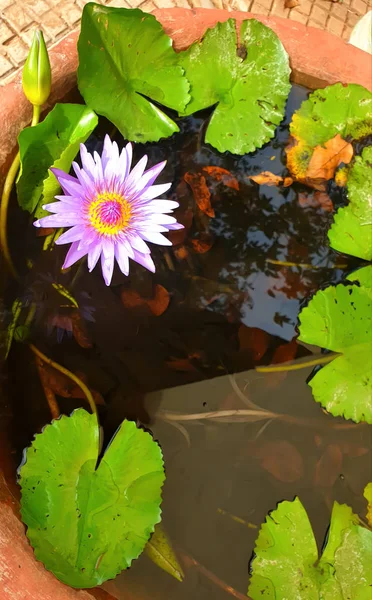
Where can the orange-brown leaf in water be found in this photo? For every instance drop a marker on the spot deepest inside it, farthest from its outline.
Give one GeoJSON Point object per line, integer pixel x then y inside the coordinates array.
{"type": "Point", "coordinates": [254, 339]}
{"type": "Point", "coordinates": [180, 364]}
{"type": "Point", "coordinates": [353, 450]}
{"type": "Point", "coordinates": [223, 175]}
{"type": "Point", "coordinates": [267, 178]}
{"type": "Point", "coordinates": [179, 235]}
{"type": "Point", "coordinates": [160, 302]}
{"type": "Point", "coordinates": [287, 181]}
{"type": "Point", "coordinates": [328, 468]}
{"type": "Point", "coordinates": [44, 231]}
{"type": "Point", "coordinates": [131, 298]}
{"type": "Point", "coordinates": [316, 200]}
{"type": "Point", "coordinates": [202, 195]}
{"type": "Point", "coordinates": [79, 330]}
{"type": "Point", "coordinates": [281, 459]}
{"type": "Point", "coordinates": [325, 159]}
{"type": "Point", "coordinates": [65, 387]}
{"type": "Point", "coordinates": [181, 253]}
{"type": "Point", "coordinates": [203, 243]}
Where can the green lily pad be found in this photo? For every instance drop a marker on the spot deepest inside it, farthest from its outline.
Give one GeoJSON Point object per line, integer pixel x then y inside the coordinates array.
{"type": "Point", "coordinates": [250, 90]}
{"type": "Point", "coordinates": [286, 557]}
{"type": "Point", "coordinates": [349, 236]}
{"type": "Point", "coordinates": [334, 110]}
{"type": "Point", "coordinates": [339, 319]}
{"type": "Point", "coordinates": [368, 496]}
{"type": "Point", "coordinates": [52, 143]}
{"type": "Point", "coordinates": [359, 187]}
{"type": "Point", "coordinates": [86, 522]}
{"type": "Point", "coordinates": [362, 276]}
{"type": "Point", "coordinates": [125, 61]}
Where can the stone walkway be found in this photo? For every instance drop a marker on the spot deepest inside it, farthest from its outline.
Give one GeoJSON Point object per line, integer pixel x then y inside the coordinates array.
{"type": "Point", "coordinates": [19, 18]}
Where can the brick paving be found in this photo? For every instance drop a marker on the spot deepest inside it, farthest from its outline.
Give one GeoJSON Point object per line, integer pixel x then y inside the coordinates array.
{"type": "Point", "coordinates": [19, 18]}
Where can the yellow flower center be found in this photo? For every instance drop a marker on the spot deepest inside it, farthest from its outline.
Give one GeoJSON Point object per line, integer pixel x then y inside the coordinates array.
{"type": "Point", "coordinates": [109, 213]}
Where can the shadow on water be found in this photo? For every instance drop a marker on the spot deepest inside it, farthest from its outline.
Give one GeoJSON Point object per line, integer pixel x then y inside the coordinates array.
{"type": "Point", "coordinates": [231, 308]}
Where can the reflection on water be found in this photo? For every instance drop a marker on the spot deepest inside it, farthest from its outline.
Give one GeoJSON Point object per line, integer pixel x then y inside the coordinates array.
{"type": "Point", "coordinates": [230, 308]}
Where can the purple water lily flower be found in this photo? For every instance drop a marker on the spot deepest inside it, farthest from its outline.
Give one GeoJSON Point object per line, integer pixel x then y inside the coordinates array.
{"type": "Point", "coordinates": [112, 210]}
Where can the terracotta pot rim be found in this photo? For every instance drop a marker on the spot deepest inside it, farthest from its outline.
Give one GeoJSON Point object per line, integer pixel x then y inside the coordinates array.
{"type": "Point", "coordinates": [314, 57]}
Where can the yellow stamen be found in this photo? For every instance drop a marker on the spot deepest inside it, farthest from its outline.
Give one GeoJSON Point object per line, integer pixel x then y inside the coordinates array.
{"type": "Point", "coordinates": [109, 213]}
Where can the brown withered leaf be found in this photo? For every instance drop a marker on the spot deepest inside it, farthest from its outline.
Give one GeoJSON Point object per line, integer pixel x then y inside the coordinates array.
{"type": "Point", "coordinates": [179, 235]}
{"type": "Point", "coordinates": [291, 3]}
{"type": "Point", "coordinates": [181, 253]}
{"type": "Point", "coordinates": [328, 467]}
{"type": "Point", "coordinates": [202, 243]}
{"type": "Point", "coordinates": [223, 175]}
{"type": "Point", "coordinates": [202, 195]}
{"type": "Point", "coordinates": [325, 159]}
{"type": "Point", "coordinates": [79, 330]}
{"type": "Point", "coordinates": [63, 386]}
{"type": "Point", "coordinates": [283, 353]}
{"type": "Point", "coordinates": [253, 339]}
{"type": "Point", "coordinates": [316, 200]}
{"type": "Point", "coordinates": [160, 302]}
{"type": "Point", "coordinates": [131, 298]}
{"type": "Point", "coordinates": [44, 231]}
{"type": "Point", "coordinates": [268, 178]}
{"type": "Point", "coordinates": [157, 304]}
{"type": "Point", "coordinates": [181, 364]}
{"type": "Point", "coordinates": [281, 459]}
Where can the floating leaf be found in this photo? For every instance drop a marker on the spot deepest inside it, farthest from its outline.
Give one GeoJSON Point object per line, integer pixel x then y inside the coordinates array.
{"type": "Point", "coordinates": [159, 549]}
{"type": "Point", "coordinates": [268, 178]}
{"type": "Point", "coordinates": [79, 330]}
{"type": "Point", "coordinates": [86, 522]}
{"type": "Point", "coordinates": [202, 195]}
{"type": "Point", "coordinates": [339, 319]}
{"type": "Point", "coordinates": [325, 159]}
{"type": "Point", "coordinates": [359, 187]}
{"type": "Point", "coordinates": [337, 110]}
{"type": "Point", "coordinates": [368, 496]}
{"type": "Point", "coordinates": [128, 51]}
{"type": "Point", "coordinates": [347, 235]}
{"type": "Point", "coordinates": [249, 84]}
{"type": "Point", "coordinates": [220, 174]}
{"type": "Point", "coordinates": [254, 339]}
{"type": "Point", "coordinates": [286, 563]}
{"type": "Point", "coordinates": [52, 143]}
{"type": "Point", "coordinates": [362, 276]}
{"type": "Point", "coordinates": [351, 231]}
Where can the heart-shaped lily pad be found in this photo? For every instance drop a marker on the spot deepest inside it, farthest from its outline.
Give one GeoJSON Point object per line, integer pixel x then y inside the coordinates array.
{"type": "Point", "coordinates": [362, 276]}
{"type": "Point", "coordinates": [125, 61]}
{"type": "Point", "coordinates": [86, 522]}
{"type": "Point", "coordinates": [52, 143]}
{"type": "Point", "coordinates": [249, 84]}
{"type": "Point", "coordinates": [337, 110]}
{"type": "Point", "coordinates": [286, 563]}
{"type": "Point", "coordinates": [351, 231]}
{"type": "Point", "coordinates": [339, 318]}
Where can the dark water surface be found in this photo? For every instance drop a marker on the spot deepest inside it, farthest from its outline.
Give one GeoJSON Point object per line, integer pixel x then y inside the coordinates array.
{"type": "Point", "coordinates": [231, 308]}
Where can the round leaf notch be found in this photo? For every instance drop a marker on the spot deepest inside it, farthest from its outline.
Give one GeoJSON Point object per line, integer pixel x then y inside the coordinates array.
{"type": "Point", "coordinates": [248, 82]}
{"type": "Point", "coordinates": [85, 522]}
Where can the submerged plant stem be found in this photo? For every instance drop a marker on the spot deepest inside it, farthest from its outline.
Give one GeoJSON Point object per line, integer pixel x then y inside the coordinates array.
{"type": "Point", "coordinates": [8, 186]}
{"type": "Point", "coordinates": [69, 374]}
{"type": "Point", "coordinates": [296, 366]}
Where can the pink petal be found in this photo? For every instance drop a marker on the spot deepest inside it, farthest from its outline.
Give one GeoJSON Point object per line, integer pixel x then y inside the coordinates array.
{"type": "Point", "coordinates": [87, 161]}
{"type": "Point", "coordinates": [122, 258]}
{"type": "Point", "coordinates": [145, 260]}
{"type": "Point", "coordinates": [94, 253]}
{"type": "Point", "coordinates": [135, 174]}
{"type": "Point", "coordinates": [155, 238]}
{"type": "Point", "coordinates": [107, 265]}
{"type": "Point", "coordinates": [72, 235]}
{"type": "Point", "coordinates": [138, 244]}
{"type": "Point", "coordinates": [73, 255]}
{"type": "Point", "coordinates": [154, 191]}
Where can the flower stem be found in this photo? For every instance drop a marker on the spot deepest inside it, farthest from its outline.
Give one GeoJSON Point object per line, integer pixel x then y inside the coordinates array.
{"type": "Point", "coordinates": [8, 185]}
{"type": "Point", "coordinates": [69, 374]}
{"type": "Point", "coordinates": [321, 360]}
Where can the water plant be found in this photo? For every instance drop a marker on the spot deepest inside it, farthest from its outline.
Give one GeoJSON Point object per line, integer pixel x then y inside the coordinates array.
{"type": "Point", "coordinates": [89, 513]}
